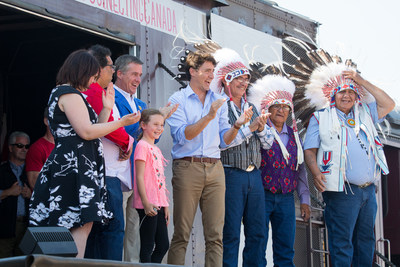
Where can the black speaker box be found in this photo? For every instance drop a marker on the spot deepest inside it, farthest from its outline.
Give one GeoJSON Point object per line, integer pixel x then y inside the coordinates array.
{"type": "Point", "coordinates": [56, 241]}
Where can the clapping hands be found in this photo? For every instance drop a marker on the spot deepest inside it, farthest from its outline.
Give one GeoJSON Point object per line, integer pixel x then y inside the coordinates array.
{"type": "Point", "coordinates": [108, 97]}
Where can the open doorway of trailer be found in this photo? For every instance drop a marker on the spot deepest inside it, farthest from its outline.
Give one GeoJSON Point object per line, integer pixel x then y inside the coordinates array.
{"type": "Point", "coordinates": [32, 50]}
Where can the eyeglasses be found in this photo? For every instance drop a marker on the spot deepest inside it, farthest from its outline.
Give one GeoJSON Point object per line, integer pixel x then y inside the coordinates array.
{"type": "Point", "coordinates": [19, 145]}
{"type": "Point", "coordinates": [241, 79]}
{"type": "Point", "coordinates": [278, 107]}
{"type": "Point", "coordinates": [111, 65]}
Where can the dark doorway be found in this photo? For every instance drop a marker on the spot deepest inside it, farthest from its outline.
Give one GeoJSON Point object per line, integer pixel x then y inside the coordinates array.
{"type": "Point", "coordinates": [31, 51]}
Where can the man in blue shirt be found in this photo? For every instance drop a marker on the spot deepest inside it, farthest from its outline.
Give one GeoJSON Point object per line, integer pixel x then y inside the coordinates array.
{"type": "Point", "coordinates": [345, 156]}
{"type": "Point", "coordinates": [14, 196]}
{"type": "Point", "coordinates": [199, 128]}
{"type": "Point", "coordinates": [128, 72]}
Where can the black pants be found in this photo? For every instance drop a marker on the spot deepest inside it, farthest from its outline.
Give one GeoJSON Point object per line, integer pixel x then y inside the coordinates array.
{"type": "Point", "coordinates": [154, 241]}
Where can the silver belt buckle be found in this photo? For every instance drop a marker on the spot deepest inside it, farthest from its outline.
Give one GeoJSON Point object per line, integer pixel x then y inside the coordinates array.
{"type": "Point", "coordinates": [365, 185]}
{"type": "Point", "coordinates": [250, 167]}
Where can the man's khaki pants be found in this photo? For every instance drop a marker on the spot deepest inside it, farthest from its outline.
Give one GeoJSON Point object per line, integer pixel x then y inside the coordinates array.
{"type": "Point", "coordinates": [197, 183]}
{"type": "Point", "coordinates": [131, 237]}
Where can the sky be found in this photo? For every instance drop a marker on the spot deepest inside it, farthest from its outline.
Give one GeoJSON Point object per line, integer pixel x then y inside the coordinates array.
{"type": "Point", "coordinates": [366, 31]}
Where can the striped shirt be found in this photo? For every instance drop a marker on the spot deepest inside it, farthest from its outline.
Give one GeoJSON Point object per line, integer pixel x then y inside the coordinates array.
{"type": "Point", "coordinates": [245, 148]}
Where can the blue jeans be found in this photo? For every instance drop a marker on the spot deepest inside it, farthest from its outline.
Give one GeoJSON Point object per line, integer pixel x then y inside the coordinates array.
{"type": "Point", "coordinates": [106, 241]}
{"type": "Point", "coordinates": [350, 219]}
{"type": "Point", "coordinates": [244, 198]}
{"type": "Point", "coordinates": [280, 210]}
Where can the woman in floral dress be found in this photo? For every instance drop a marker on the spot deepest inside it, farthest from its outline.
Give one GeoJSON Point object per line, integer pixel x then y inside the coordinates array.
{"type": "Point", "coordinates": [70, 190]}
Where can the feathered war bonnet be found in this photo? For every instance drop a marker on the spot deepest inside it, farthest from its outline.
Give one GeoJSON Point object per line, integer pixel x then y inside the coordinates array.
{"type": "Point", "coordinates": [318, 79]}
{"type": "Point", "coordinates": [271, 90]}
{"type": "Point", "coordinates": [229, 66]}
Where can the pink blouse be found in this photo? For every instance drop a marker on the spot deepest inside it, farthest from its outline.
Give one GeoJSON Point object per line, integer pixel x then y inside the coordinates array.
{"type": "Point", "coordinates": [154, 179]}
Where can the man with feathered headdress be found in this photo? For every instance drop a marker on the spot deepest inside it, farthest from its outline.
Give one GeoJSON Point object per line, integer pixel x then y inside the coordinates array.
{"type": "Point", "coordinates": [345, 156]}
{"type": "Point", "coordinates": [244, 195]}
{"type": "Point", "coordinates": [282, 167]}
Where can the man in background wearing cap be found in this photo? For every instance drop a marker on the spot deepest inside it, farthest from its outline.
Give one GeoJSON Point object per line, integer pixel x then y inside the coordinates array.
{"type": "Point", "coordinates": [345, 156]}
{"type": "Point", "coordinates": [198, 128]}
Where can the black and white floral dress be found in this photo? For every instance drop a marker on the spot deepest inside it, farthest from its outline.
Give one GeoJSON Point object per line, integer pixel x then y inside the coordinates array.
{"type": "Point", "coordinates": [70, 189]}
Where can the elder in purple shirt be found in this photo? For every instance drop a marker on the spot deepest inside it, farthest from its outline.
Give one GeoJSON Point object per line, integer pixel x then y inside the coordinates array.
{"type": "Point", "coordinates": [282, 167]}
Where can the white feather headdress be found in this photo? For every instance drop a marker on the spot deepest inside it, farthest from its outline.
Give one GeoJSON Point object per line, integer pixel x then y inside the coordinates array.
{"type": "Point", "coordinates": [271, 90]}
{"type": "Point", "coordinates": [229, 66]}
{"type": "Point", "coordinates": [318, 77]}
{"type": "Point", "coordinates": [275, 90]}
{"type": "Point", "coordinates": [327, 80]}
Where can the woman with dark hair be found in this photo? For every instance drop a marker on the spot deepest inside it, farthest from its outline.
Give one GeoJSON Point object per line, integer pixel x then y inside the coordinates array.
{"type": "Point", "coordinates": [70, 190]}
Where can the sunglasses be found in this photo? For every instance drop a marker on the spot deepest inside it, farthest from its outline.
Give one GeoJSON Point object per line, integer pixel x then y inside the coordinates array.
{"type": "Point", "coordinates": [19, 145]}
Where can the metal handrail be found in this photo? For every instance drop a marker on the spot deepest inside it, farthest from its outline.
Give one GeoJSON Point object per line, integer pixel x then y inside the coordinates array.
{"type": "Point", "coordinates": [388, 245]}
{"type": "Point", "coordinates": [311, 248]}
{"type": "Point", "coordinates": [386, 260]}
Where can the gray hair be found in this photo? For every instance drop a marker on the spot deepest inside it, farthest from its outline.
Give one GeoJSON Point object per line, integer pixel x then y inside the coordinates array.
{"type": "Point", "coordinates": [122, 62]}
{"type": "Point", "coordinates": [13, 137]}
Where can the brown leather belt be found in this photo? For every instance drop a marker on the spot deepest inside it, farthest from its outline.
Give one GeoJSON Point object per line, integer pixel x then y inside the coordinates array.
{"type": "Point", "coordinates": [202, 160]}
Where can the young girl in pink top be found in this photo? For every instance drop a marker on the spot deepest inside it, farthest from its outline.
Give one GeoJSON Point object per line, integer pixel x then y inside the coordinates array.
{"type": "Point", "coordinates": [151, 199]}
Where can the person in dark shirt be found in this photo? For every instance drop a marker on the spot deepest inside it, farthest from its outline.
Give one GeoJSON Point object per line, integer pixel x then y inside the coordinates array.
{"type": "Point", "coordinates": [14, 196]}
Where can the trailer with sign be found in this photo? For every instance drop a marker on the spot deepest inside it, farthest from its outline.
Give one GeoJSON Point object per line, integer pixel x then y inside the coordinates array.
{"type": "Point", "coordinates": [37, 35]}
